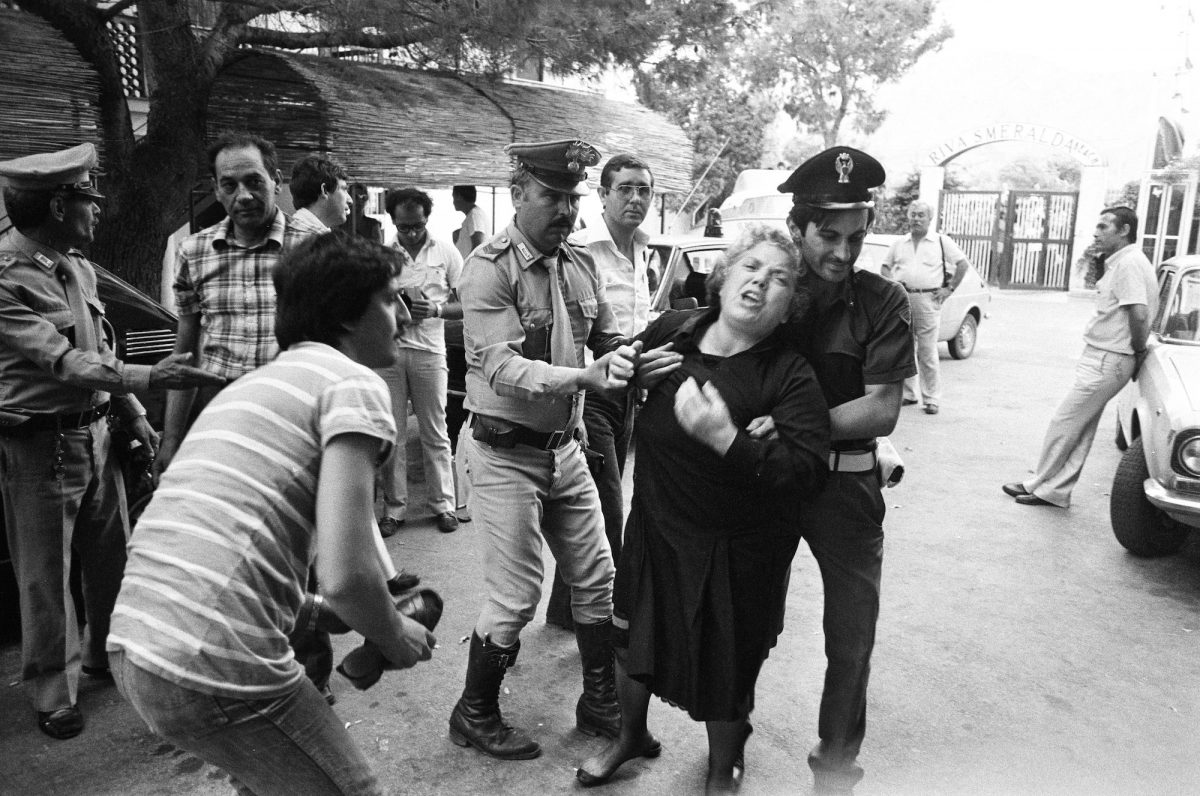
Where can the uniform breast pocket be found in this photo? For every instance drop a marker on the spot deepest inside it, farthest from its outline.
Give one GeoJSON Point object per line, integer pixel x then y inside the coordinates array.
{"type": "Point", "coordinates": [61, 316]}
{"type": "Point", "coordinates": [583, 320]}
{"type": "Point", "coordinates": [536, 322]}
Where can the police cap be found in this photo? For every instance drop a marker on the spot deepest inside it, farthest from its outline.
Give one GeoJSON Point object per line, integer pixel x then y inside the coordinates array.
{"type": "Point", "coordinates": [840, 178]}
{"type": "Point", "coordinates": [68, 170]}
{"type": "Point", "coordinates": [558, 165]}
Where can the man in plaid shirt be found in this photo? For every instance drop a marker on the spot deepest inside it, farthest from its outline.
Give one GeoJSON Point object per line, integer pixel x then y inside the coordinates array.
{"type": "Point", "coordinates": [223, 290]}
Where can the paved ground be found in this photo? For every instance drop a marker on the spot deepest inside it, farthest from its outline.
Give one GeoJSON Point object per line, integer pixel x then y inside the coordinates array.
{"type": "Point", "coordinates": [1020, 650]}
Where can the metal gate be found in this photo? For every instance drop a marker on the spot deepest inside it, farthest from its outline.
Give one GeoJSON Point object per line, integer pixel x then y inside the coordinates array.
{"type": "Point", "coordinates": [1039, 228]}
{"type": "Point", "coordinates": [972, 219]}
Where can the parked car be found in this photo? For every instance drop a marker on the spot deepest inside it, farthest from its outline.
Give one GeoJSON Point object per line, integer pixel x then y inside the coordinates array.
{"type": "Point", "coordinates": [682, 262]}
{"type": "Point", "coordinates": [142, 332]}
{"type": "Point", "coordinates": [1155, 499]}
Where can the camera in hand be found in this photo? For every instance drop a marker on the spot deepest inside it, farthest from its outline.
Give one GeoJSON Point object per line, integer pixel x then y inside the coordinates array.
{"type": "Point", "coordinates": [365, 664]}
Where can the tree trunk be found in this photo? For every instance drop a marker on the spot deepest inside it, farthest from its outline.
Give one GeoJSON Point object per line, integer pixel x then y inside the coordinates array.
{"type": "Point", "coordinates": [163, 167]}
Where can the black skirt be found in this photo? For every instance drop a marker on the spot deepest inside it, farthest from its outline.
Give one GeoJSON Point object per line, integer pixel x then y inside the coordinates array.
{"type": "Point", "coordinates": [703, 613]}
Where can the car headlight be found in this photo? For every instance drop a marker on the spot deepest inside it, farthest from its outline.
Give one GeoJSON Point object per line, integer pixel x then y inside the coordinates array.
{"type": "Point", "coordinates": [1187, 455]}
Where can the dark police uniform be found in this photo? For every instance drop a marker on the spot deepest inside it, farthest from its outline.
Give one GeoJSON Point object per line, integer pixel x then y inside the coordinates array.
{"type": "Point", "coordinates": [857, 336]}
{"type": "Point", "coordinates": [62, 490]}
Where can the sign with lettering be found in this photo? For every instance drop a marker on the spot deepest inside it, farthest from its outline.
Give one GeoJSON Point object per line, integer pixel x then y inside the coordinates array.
{"type": "Point", "coordinates": [1018, 132]}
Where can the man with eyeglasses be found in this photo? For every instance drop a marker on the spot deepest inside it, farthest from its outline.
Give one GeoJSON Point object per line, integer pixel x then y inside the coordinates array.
{"type": "Point", "coordinates": [619, 249]}
{"type": "Point", "coordinates": [420, 373]}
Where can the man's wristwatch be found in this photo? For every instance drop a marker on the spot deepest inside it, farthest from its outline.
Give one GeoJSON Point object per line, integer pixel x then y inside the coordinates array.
{"type": "Point", "coordinates": [437, 310]}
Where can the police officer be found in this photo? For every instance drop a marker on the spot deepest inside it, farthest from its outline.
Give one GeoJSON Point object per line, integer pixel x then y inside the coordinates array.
{"type": "Point", "coordinates": [857, 335]}
{"type": "Point", "coordinates": [61, 489]}
{"type": "Point", "coordinates": [531, 302]}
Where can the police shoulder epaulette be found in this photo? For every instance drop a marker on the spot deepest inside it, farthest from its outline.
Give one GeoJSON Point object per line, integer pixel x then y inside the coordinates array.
{"type": "Point", "coordinates": [493, 248]}
{"type": "Point", "coordinates": [7, 259]}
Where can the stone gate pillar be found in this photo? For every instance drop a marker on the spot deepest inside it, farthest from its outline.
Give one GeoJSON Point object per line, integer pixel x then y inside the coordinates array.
{"type": "Point", "coordinates": [929, 191]}
{"type": "Point", "coordinates": [1093, 185]}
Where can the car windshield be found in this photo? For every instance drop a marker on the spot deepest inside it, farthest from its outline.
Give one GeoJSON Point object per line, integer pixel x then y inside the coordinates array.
{"type": "Point", "coordinates": [1181, 321]}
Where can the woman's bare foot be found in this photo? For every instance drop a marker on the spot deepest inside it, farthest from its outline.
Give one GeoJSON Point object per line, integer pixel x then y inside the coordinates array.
{"type": "Point", "coordinates": [597, 770]}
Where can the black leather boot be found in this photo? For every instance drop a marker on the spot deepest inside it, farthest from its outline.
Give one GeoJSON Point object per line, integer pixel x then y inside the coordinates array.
{"type": "Point", "coordinates": [476, 720]}
{"type": "Point", "coordinates": [597, 712]}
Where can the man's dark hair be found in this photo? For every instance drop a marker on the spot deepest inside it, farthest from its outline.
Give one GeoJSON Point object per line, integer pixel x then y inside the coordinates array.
{"type": "Point", "coordinates": [803, 215]}
{"type": "Point", "coordinates": [312, 173]}
{"type": "Point", "coordinates": [327, 282]}
{"type": "Point", "coordinates": [27, 209]}
{"type": "Point", "coordinates": [622, 160]}
{"type": "Point", "coordinates": [465, 192]}
{"type": "Point", "coordinates": [407, 196]}
{"type": "Point", "coordinates": [236, 139]}
{"type": "Point", "coordinates": [1125, 217]}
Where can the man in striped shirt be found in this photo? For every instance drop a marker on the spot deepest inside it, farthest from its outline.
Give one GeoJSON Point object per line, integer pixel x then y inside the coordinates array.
{"type": "Point", "coordinates": [276, 473]}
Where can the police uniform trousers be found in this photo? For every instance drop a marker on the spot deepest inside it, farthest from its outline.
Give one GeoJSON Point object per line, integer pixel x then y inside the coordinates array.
{"type": "Point", "coordinates": [609, 425]}
{"type": "Point", "coordinates": [63, 494]}
{"type": "Point", "coordinates": [843, 527]}
{"type": "Point", "coordinates": [520, 496]}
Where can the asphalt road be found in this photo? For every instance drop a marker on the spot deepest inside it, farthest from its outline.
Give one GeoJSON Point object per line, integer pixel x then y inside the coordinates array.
{"type": "Point", "coordinates": [1020, 649]}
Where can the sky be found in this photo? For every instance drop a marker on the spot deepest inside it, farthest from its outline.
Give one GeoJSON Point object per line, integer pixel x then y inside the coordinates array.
{"type": "Point", "coordinates": [1101, 71]}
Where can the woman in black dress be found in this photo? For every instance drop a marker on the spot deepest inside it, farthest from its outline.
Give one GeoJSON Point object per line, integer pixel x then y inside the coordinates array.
{"type": "Point", "coordinates": [702, 579]}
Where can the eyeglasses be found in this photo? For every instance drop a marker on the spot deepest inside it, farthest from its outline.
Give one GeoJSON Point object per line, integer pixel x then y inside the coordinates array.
{"type": "Point", "coordinates": [627, 192]}
{"type": "Point", "coordinates": [410, 229]}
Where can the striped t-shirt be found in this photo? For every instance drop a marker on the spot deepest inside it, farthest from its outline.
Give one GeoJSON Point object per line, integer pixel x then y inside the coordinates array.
{"type": "Point", "coordinates": [219, 560]}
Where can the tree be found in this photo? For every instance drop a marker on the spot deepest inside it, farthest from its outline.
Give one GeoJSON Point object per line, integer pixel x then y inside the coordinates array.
{"type": "Point", "coordinates": [699, 83]}
{"type": "Point", "coordinates": [824, 60]}
{"type": "Point", "coordinates": [186, 44]}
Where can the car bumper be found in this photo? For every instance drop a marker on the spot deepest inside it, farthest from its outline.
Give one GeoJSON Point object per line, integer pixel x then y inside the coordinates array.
{"type": "Point", "coordinates": [1180, 506]}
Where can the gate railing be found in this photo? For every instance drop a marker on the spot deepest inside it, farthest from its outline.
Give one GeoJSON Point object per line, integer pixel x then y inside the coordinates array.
{"type": "Point", "coordinates": [972, 219]}
{"type": "Point", "coordinates": [1040, 227]}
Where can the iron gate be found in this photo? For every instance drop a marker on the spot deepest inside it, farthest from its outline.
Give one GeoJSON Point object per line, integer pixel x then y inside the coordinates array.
{"type": "Point", "coordinates": [1039, 228]}
{"type": "Point", "coordinates": [972, 219]}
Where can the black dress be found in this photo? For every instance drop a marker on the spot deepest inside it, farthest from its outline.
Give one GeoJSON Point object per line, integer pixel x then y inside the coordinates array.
{"type": "Point", "coordinates": [703, 575]}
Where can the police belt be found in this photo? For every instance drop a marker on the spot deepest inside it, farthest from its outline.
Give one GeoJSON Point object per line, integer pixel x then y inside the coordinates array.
{"type": "Point", "coordinates": [491, 431]}
{"type": "Point", "coordinates": [921, 289]}
{"type": "Point", "coordinates": [50, 421]}
{"type": "Point", "coordinates": [859, 461]}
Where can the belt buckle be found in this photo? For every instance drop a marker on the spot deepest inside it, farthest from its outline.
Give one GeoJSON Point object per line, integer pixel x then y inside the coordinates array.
{"type": "Point", "coordinates": [554, 441]}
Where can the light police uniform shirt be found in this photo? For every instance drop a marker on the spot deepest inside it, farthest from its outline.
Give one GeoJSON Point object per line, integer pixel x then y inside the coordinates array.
{"type": "Point", "coordinates": [507, 318]}
{"type": "Point", "coordinates": [1128, 279]}
{"type": "Point", "coordinates": [922, 267]}
{"type": "Point", "coordinates": [41, 370]}
{"type": "Point", "coordinates": [434, 272]}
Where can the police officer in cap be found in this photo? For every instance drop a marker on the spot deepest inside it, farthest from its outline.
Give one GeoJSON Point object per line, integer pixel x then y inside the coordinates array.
{"type": "Point", "coordinates": [531, 302]}
{"type": "Point", "coordinates": [62, 491]}
{"type": "Point", "coordinates": [857, 336]}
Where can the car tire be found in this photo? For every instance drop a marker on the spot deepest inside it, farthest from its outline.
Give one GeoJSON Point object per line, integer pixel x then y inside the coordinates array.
{"type": "Point", "coordinates": [962, 344]}
{"type": "Point", "coordinates": [1122, 443]}
{"type": "Point", "coordinates": [1140, 527]}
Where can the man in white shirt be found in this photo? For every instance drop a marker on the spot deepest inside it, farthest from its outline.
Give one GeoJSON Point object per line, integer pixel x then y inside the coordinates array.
{"type": "Point", "coordinates": [430, 282]}
{"type": "Point", "coordinates": [475, 225]}
{"type": "Point", "coordinates": [920, 263]}
{"type": "Point", "coordinates": [320, 191]}
{"type": "Point", "coordinates": [1113, 352]}
{"type": "Point", "coordinates": [619, 249]}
